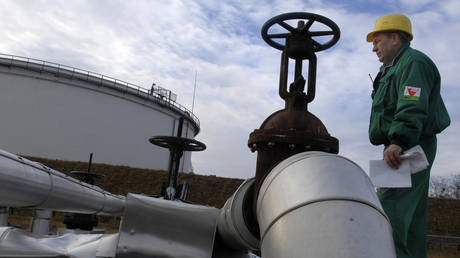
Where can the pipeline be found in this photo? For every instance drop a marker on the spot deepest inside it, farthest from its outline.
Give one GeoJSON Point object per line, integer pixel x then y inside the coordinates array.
{"type": "Point", "coordinates": [233, 224]}
{"type": "Point", "coordinates": [317, 204]}
{"type": "Point", "coordinates": [313, 204]}
{"type": "Point", "coordinates": [28, 184]}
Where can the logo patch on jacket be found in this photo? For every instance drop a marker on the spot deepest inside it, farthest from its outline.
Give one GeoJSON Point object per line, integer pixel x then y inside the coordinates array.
{"type": "Point", "coordinates": [412, 93]}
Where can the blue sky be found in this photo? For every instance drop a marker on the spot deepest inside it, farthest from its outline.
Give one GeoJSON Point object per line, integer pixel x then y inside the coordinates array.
{"type": "Point", "coordinates": [166, 41]}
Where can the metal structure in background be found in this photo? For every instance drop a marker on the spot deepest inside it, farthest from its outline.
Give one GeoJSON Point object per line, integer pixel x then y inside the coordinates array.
{"type": "Point", "coordinates": [293, 129]}
{"type": "Point", "coordinates": [159, 95]}
{"type": "Point", "coordinates": [176, 145]}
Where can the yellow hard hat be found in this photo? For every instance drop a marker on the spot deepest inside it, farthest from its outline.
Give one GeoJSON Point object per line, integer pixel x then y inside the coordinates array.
{"type": "Point", "coordinates": [392, 22]}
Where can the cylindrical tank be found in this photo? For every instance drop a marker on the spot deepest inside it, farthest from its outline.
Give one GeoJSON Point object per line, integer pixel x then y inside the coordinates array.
{"type": "Point", "coordinates": [317, 204]}
{"type": "Point", "coordinates": [24, 183]}
{"type": "Point", "coordinates": [59, 112]}
{"type": "Point", "coordinates": [232, 225]}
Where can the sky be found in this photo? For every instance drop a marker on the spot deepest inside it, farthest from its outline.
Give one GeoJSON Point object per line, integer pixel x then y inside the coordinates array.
{"type": "Point", "coordinates": [167, 42]}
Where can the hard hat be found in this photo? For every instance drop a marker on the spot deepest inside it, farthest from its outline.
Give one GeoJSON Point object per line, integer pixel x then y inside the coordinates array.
{"type": "Point", "coordinates": [392, 22]}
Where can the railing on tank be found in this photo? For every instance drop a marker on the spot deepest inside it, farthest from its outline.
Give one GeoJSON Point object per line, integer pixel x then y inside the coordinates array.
{"type": "Point", "coordinates": [157, 94]}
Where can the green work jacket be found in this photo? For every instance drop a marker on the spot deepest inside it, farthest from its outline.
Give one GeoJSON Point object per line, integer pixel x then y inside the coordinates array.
{"type": "Point", "coordinates": [407, 106]}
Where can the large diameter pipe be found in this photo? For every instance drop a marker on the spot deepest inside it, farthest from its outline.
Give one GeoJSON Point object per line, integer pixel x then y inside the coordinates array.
{"type": "Point", "coordinates": [28, 184]}
{"type": "Point", "coordinates": [232, 224]}
{"type": "Point", "coordinates": [316, 204]}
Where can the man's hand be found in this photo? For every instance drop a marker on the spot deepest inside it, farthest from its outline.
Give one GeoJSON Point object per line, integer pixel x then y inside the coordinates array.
{"type": "Point", "coordinates": [391, 156]}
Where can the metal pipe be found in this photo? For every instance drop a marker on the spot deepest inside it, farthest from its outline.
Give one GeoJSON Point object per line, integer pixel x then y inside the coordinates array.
{"type": "Point", "coordinates": [317, 204]}
{"type": "Point", "coordinates": [298, 68]}
{"type": "Point", "coordinates": [284, 67]}
{"type": "Point", "coordinates": [28, 184]}
{"type": "Point", "coordinates": [175, 153]}
{"type": "Point", "coordinates": [311, 79]}
{"type": "Point", "coordinates": [232, 225]}
{"type": "Point", "coordinates": [41, 220]}
{"type": "Point", "coordinates": [15, 242]}
{"type": "Point", "coordinates": [4, 211]}
{"type": "Point", "coordinates": [90, 161]}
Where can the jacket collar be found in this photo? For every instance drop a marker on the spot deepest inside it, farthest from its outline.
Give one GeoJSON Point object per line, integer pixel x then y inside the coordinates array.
{"type": "Point", "coordinates": [401, 50]}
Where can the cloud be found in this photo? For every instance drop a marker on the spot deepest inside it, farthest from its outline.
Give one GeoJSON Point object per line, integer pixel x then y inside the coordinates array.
{"type": "Point", "coordinates": [166, 42]}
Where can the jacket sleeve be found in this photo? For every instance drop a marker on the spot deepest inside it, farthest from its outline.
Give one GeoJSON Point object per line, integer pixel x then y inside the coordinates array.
{"type": "Point", "coordinates": [411, 107]}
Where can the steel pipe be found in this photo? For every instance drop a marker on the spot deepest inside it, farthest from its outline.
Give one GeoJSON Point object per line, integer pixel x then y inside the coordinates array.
{"type": "Point", "coordinates": [317, 204]}
{"type": "Point", "coordinates": [28, 184]}
{"type": "Point", "coordinates": [4, 211]}
{"type": "Point", "coordinates": [232, 226]}
{"type": "Point", "coordinates": [41, 221]}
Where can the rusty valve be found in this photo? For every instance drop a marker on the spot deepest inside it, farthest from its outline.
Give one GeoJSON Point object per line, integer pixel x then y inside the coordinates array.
{"type": "Point", "coordinates": [293, 129]}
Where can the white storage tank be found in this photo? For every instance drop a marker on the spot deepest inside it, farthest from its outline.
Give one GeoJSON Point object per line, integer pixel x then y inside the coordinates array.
{"type": "Point", "coordinates": [60, 112]}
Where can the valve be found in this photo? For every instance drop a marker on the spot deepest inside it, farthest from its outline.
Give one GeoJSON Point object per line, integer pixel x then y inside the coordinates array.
{"type": "Point", "coordinates": [176, 145]}
{"type": "Point", "coordinates": [83, 221]}
{"type": "Point", "coordinates": [88, 176]}
{"type": "Point", "coordinates": [301, 37]}
{"type": "Point", "coordinates": [293, 129]}
{"type": "Point", "coordinates": [300, 45]}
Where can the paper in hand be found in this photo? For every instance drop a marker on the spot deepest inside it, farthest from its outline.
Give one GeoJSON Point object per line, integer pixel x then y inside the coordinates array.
{"type": "Point", "coordinates": [412, 161]}
{"type": "Point", "coordinates": [417, 159]}
{"type": "Point", "coordinates": [383, 175]}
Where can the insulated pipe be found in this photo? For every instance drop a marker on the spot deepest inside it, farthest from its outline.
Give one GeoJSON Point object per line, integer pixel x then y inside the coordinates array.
{"type": "Point", "coordinates": [317, 204]}
{"type": "Point", "coordinates": [232, 225]}
{"type": "Point", "coordinates": [28, 184]}
{"type": "Point", "coordinates": [41, 221]}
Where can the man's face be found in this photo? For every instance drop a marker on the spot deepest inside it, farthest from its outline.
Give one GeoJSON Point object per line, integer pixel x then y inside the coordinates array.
{"type": "Point", "coordinates": [385, 46]}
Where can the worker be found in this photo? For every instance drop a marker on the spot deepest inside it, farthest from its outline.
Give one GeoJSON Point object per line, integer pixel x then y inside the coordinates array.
{"type": "Point", "coordinates": [407, 110]}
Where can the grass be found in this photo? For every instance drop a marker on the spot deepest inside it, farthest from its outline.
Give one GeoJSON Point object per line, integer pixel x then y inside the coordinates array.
{"type": "Point", "coordinates": [448, 251]}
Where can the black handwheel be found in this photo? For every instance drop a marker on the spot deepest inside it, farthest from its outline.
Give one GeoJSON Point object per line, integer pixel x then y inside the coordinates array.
{"type": "Point", "coordinates": [311, 17]}
{"type": "Point", "coordinates": [185, 144]}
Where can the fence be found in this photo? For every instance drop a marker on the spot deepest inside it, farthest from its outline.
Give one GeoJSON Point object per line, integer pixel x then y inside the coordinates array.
{"type": "Point", "coordinates": [444, 240]}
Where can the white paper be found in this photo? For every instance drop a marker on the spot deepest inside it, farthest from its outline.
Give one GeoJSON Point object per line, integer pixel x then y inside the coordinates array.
{"type": "Point", "coordinates": [412, 161]}
{"type": "Point", "coordinates": [383, 175]}
{"type": "Point", "coordinates": [417, 159]}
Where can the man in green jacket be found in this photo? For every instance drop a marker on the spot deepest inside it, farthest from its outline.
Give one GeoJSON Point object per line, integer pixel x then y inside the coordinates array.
{"type": "Point", "coordinates": [407, 110]}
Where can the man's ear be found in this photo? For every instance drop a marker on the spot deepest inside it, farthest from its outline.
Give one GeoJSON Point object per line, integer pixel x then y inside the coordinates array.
{"type": "Point", "coordinates": [395, 40]}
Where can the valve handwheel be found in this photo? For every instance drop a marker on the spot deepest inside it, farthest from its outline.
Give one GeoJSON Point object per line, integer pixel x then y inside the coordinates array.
{"type": "Point", "coordinates": [305, 29]}
{"type": "Point", "coordinates": [185, 144]}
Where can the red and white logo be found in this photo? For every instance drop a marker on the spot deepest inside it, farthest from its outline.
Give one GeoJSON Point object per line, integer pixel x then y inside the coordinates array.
{"type": "Point", "coordinates": [412, 93]}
